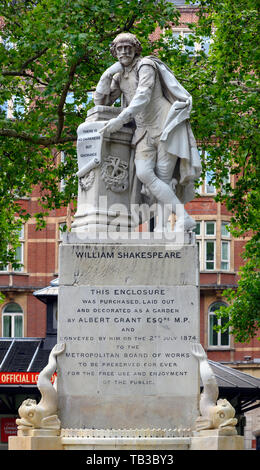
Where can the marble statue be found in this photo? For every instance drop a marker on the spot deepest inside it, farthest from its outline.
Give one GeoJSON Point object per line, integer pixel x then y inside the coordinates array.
{"type": "Point", "coordinates": [166, 157]}
{"type": "Point", "coordinates": [215, 414]}
{"type": "Point", "coordinates": [44, 414]}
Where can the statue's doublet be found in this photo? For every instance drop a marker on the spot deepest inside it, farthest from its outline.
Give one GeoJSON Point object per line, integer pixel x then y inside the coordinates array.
{"type": "Point", "coordinates": [142, 78]}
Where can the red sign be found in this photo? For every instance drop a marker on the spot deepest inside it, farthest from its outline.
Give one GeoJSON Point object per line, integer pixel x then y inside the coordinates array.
{"type": "Point", "coordinates": [20, 378]}
{"type": "Point", "coordinates": [8, 428]}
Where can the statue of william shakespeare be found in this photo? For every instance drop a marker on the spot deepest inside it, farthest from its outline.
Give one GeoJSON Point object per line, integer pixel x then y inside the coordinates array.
{"type": "Point", "coordinates": [166, 157]}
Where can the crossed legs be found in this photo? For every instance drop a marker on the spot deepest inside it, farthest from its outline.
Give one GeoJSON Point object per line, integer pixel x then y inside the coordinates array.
{"type": "Point", "coordinates": [154, 168]}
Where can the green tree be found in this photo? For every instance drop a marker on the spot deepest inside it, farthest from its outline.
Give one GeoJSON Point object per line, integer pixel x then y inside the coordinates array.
{"type": "Point", "coordinates": [52, 53]}
{"type": "Point", "coordinates": [233, 114]}
{"type": "Point", "coordinates": [224, 84]}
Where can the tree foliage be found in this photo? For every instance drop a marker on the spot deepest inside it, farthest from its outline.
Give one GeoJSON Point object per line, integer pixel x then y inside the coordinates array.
{"type": "Point", "coordinates": [232, 113]}
{"type": "Point", "coordinates": [52, 49]}
{"type": "Point", "coordinates": [225, 89]}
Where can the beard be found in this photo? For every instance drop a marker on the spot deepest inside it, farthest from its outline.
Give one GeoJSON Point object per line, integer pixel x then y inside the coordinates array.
{"type": "Point", "coordinates": [126, 60]}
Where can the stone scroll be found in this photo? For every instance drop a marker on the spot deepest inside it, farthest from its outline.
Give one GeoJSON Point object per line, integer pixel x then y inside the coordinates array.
{"type": "Point", "coordinates": [89, 144]}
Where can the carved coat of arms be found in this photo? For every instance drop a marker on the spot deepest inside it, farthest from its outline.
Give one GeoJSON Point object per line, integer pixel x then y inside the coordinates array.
{"type": "Point", "coordinates": [114, 173]}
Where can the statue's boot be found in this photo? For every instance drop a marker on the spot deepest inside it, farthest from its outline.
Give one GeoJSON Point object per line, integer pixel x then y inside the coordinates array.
{"type": "Point", "coordinates": [185, 223]}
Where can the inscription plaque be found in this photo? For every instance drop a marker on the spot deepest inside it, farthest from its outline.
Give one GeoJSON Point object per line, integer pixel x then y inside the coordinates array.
{"type": "Point", "coordinates": [128, 361]}
{"type": "Point", "coordinates": [128, 340]}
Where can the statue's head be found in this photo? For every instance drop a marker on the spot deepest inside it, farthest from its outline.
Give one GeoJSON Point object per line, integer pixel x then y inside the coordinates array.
{"type": "Point", "coordinates": [222, 414]}
{"type": "Point", "coordinates": [29, 414]}
{"type": "Point", "coordinates": [125, 48]}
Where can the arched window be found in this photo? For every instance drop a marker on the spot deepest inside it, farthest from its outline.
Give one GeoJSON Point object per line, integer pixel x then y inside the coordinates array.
{"type": "Point", "coordinates": [217, 338]}
{"type": "Point", "coordinates": [12, 321]}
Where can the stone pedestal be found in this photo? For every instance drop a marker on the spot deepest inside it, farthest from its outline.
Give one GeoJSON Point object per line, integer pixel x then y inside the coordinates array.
{"type": "Point", "coordinates": [99, 440]}
{"type": "Point", "coordinates": [125, 439]}
{"type": "Point", "coordinates": [128, 313]}
{"type": "Point", "coordinates": [217, 439]}
{"type": "Point", "coordinates": [36, 439]}
{"type": "Point", "coordinates": [104, 167]}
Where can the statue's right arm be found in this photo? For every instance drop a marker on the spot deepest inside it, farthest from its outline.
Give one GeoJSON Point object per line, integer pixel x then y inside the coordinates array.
{"type": "Point", "coordinates": [107, 90]}
{"type": "Point", "coordinates": [140, 100]}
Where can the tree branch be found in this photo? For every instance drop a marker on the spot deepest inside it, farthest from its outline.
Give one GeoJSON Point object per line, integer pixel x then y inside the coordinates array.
{"type": "Point", "coordinates": [244, 87]}
{"type": "Point", "coordinates": [22, 71]}
{"type": "Point", "coordinates": [45, 141]}
{"type": "Point", "coordinates": [32, 59]}
{"type": "Point", "coordinates": [60, 111]}
{"type": "Point", "coordinates": [17, 73]}
{"type": "Point", "coordinates": [129, 23]}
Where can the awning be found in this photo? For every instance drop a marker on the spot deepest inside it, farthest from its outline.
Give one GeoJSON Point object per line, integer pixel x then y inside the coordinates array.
{"type": "Point", "coordinates": [49, 291]}
{"type": "Point", "coordinates": [230, 378]}
{"type": "Point", "coordinates": [242, 390]}
{"type": "Point", "coordinates": [21, 355]}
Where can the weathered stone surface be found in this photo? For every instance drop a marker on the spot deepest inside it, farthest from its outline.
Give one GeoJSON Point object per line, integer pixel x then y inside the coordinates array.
{"type": "Point", "coordinates": [128, 318]}
{"type": "Point", "coordinates": [34, 443]}
{"type": "Point", "coordinates": [177, 443]}
{"type": "Point", "coordinates": [216, 442]}
{"type": "Point", "coordinates": [117, 263]}
{"type": "Point", "coordinates": [103, 172]}
{"type": "Point", "coordinates": [163, 139]}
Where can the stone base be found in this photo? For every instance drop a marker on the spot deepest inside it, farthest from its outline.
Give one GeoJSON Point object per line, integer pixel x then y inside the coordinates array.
{"type": "Point", "coordinates": [79, 443]}
{"type": "Point", "coordinates": [220, 432]}
{"type": "Point", "coordinates": [34, 443]}
{"type": "Point", "coordinates": [134, 301]}
{"type": "Point", "coordinates": [97, 221]}
{"type": "Point", "coordinates": [78, 237]}
{"type": "Point", "coordinates": [217, 439]}
{"type": "Point", "coordinates": [125, 443]}
{"type": "Point", "coordinates": [23, 432]}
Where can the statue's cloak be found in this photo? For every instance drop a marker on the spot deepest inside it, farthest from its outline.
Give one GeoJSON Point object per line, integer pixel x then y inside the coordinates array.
{"type": "Point", "coordinates": [177, 137]}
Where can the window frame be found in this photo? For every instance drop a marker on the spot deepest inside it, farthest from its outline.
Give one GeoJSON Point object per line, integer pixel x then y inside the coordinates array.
{"type": "Point", "coordinates": [9, 268]}
{"type": "Point", "coordinates": [219, 334]}
{"type": "Point", "coordinates": [208, 185]}
{"type": "Point", "coordinates": [63, 160]}
{"type": "Point", "coordinates": [12, 316]}
{"type": "Point", "coordinates": [206, 242]}
{"type": "Point", "coordinates": [225, 238]}
{"type": "Point", "coordinates": [22, 241]}
{"type": "Point", "coordinates": [203, 189]}
{"type": "Point", "coordinates": [203, 45]}
{"type": "Point", "coordinates": [209, 235]}
{"type": "Point", "coordinates": [228, 236]}
{"type": "Point", "coordinates": [202, 240]}
{"type": "Point", "coordinates": [228, 255]}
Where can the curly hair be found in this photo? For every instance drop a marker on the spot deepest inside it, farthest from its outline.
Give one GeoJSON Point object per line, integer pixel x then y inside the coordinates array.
{"type": "Point", "coordinates": [126, 37]}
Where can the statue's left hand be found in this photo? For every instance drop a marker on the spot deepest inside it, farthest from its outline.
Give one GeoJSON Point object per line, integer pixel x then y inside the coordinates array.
{"type": "Point", "coordinates": [113, 125]}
